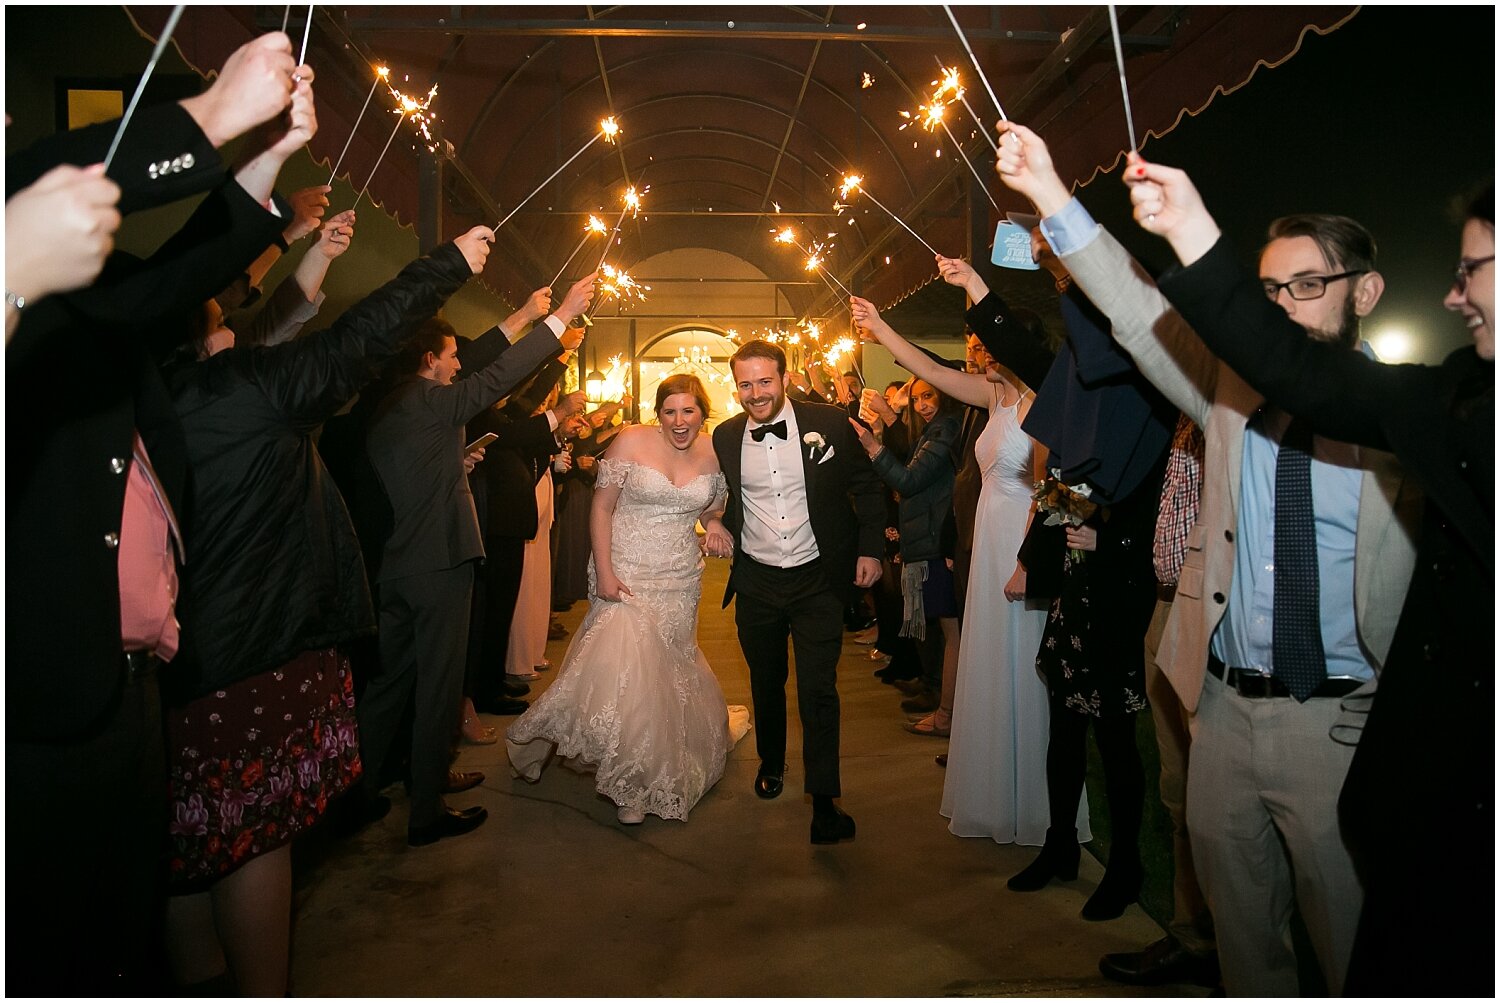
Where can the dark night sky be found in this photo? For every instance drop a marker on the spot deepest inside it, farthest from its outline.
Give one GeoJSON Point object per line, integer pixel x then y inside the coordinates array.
{"type": "Point", "coordinates": [1385, 120]}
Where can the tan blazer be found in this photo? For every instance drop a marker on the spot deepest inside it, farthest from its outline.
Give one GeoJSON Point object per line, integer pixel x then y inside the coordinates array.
{"type": "Point", "coordinates": [1171, 356]}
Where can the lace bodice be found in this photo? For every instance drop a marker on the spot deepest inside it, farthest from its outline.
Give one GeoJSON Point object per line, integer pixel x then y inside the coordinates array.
{"type": "Point", "coordinates": [653, 544]}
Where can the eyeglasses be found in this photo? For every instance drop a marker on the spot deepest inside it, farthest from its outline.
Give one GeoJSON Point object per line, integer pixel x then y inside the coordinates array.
{"type": "Point", "coordinates": [1306, 287]}
{"type": "Point", "coordinates": [1466, 267]}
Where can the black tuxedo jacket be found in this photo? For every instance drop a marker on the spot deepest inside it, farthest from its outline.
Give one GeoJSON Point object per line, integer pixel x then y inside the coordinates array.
{"type": "Point", "coordinates": [845, 500]}
{"type": "Point", "coordinates": [80, 381]}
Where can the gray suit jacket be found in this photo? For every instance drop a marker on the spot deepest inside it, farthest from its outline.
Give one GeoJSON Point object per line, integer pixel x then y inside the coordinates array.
{"type": "Point", "coordinates": [416, 445]}
{"type": "Point", "coordinates": [1171, 356]}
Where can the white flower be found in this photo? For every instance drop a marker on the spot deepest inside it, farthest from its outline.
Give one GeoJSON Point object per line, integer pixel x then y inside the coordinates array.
{"type": "Point", "coordinates": [815, 440]}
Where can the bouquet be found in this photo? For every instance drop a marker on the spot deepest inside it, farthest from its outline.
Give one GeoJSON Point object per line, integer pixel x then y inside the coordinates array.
{"type": "Point", "coordinates": [1065, 504]}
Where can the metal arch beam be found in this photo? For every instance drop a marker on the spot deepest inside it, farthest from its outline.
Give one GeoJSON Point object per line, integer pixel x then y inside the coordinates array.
{"type": "Point", "coordinates": [826, 90]}
{"type": "Point", "coordinates": [764, 30]}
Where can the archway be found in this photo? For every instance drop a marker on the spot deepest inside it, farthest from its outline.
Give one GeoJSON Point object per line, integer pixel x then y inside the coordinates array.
{"type": "Point", "coordinates": [701, 350]}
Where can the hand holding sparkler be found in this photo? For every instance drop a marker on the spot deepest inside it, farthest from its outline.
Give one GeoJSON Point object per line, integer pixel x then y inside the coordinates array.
{"type": "Point", "coordinates": [475, 247]}
{"type": "Point", "coordinates": [1168, 205]}
{"type": "Point", "coordinates": [867, 320]}
{"type": "Point", "coordinates": [308, 207]}
{"type": "Point", "coordinates": [335, 236]}
{"type": "Point", "coordinates": [1025, 166]}
{"type": "Point", "coordinates": [958, 272]}
{"type": "Point", "coordinates": [254, 85]}
{"type": "Point", "coordinates": [576, 301]}
{"type": "Point", "coordinates": [277, 140]}
{"type": "Point", "coordinates": [535, 307]}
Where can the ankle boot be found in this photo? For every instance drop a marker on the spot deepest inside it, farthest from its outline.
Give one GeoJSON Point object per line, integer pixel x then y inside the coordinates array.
{"type": "Point", "coordinates": [1058, 859]}
{"type": "Point", "coordinates": [1120, 886]}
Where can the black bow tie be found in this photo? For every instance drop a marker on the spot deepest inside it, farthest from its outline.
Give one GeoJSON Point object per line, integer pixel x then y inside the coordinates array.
{"type": "Point", "coordinates": [776, 428]}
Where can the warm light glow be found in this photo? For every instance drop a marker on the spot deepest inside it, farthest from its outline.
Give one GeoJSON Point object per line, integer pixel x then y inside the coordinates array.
{"type": "Point", "coordinates": [866, 81]}
{"type": "Point", "coordinates": [813, 263]}
{"type": "Point", "coordinates": [610, 128]}
{"type": "Point", "coordinates": [417, 112]}
{"type": "Point", "coordinates": [1394, 344]}
{"type": "Point", "coordinates": [851, 184]}
{"type": "Point", "coordinates": [932, 115]}
{"type": "Point", "coordinates": [617, 283]}
{"type": "Point", "coordinates": [950, 84]}
{"type": "Point", "coordinates": [787, 236]}
{"type": "Point", "coordinates": [382, 72]}
{"type": "Point", "coordinates": [595, 225]}
{"type": "Point", "coordinates": [632, 200]}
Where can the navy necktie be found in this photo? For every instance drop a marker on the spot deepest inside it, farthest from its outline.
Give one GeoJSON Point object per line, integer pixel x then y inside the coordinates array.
{"type": "Point", "coordinates": [1296, 622]}
{"type": "Point", "coordinates": [776, 428]}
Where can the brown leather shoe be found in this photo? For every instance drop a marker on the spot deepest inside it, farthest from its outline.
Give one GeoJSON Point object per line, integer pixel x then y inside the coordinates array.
{"type": "Point", "coordinates": [458, 781]}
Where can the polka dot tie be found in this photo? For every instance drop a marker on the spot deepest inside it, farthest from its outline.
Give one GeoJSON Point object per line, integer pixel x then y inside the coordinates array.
{"type": "Point", "coordinates": [1296, 634]}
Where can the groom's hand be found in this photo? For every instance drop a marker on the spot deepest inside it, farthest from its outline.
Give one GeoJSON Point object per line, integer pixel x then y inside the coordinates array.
{"type": "Point", "coordinates": [866, 572]}
{"type": "Point", "coordinates": [716, 540]}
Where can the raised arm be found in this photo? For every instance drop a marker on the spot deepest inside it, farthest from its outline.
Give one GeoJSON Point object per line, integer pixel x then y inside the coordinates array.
{"type": "Point", "coordinates": [933, 460]}
{"type": "Point", "coordinates": [311, 378]}
{"type": "Point", "coordinates": [1162, 344]}
{"type": "Point", "coordinates": [968, 387]}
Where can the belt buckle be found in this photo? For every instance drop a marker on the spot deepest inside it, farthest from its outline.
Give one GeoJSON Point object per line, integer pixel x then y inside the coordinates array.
{"type": "Point", "coordinates": [1253, 685]}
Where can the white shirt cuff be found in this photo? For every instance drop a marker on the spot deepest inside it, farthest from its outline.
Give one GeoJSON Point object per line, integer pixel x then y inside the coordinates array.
{"type": "Point", "coordinates": [558, 327]}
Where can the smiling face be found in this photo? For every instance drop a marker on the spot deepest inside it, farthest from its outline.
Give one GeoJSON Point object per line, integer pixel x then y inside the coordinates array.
{"type": "Point", "coordinates": [1477, 300]}
{"type": "Point", "coordinates": [925, 399]}
{"type": "Point", "coordinates": [681, 418]}
{"type": "Point", "coordinates": [762, 390]}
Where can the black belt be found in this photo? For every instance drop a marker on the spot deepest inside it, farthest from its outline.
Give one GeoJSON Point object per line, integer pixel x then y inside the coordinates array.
{"type": "Point", "coordinates": [137, 663]}
{"type": "Point", "coordinates": [1258, 686]}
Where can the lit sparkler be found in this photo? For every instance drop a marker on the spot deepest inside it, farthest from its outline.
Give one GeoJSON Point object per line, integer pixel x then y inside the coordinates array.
{"type": "Point", "coordinates": [854, 183]}
{"type": "Point", "coordinates": [609, 130]}
{"type": "Point", "coordinates": [417, 111]}
{"type": "Point", "coordinates": [816, 258]}
{"type": "Point", "coordinates": [617, 283]}
{"type": "Point", "coordinates": [381, 72]}
{"type": "Point", "coordinates": [593, 226]}
{"type": "Point", "coordinates": [934, 114]}
{"type": "Point", "coordinates": [630, 203]}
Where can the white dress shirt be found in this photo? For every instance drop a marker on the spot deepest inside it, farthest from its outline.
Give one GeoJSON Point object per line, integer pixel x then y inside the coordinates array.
{"type": "Point", "coordinates": [777, 527]}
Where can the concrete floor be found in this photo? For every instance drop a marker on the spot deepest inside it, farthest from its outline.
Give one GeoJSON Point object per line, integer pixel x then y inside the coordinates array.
{"type": "Point", "coordinates": [552, 897]}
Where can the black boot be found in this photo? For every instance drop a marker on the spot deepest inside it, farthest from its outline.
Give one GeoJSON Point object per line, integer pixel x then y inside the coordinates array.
{"type": "Point", "coordinates": [1120, 886]}
{"type": "Point", "coordinates": [1058, 859]}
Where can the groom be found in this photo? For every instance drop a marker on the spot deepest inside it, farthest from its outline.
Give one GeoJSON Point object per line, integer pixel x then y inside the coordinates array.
{"type": "Point", "coordinates": [808, 518]}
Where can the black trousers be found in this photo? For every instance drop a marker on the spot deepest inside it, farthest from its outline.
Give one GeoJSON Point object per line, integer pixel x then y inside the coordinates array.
{"type": "Point", "coordinates": [772, 604]}
{"type": "Point", "coordinates": [497, 584]}
{"type": "Point", "coordinates": [424, 627]}
{"type": "Point", "coordinates": [85, 864]}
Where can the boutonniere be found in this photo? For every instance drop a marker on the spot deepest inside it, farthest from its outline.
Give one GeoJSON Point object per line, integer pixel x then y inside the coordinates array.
{"type": "Point", "coordinates": [818, 449]}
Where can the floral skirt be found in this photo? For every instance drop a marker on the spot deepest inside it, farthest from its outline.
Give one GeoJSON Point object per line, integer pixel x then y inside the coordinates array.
{"type": "Point", "coordinates": [1092, 653]}
{"type": "Point", "coordinates": [252, 765]}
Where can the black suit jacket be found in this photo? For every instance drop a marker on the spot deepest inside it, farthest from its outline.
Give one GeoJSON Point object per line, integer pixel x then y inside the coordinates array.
{"type": "Point", "coordinates": [416, 445]}
{"type": "Point", "coordinates": [845, 501]}
{"type": "Point", "coordinates": [80, 380]}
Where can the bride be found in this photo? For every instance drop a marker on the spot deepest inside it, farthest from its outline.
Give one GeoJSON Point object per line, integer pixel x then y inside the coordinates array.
{"type": "Point", "coordinates": [635, 700]}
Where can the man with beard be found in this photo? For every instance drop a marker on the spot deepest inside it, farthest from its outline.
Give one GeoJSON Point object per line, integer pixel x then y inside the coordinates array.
{"type": "Point", "coordinates": [1288, 597]}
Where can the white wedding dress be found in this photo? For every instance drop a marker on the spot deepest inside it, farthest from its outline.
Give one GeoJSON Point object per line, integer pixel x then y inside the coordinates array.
{"type": "Point", "coordinates": [635, 700]}
{"type": "Point", "coordinates": [996, 781]}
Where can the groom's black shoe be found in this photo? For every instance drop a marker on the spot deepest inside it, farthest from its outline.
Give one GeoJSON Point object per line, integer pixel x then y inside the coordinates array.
{"type": "Point", "coordinates": [451, 822]}
{"type": "Point", "coordinates": [767, 782]}
{"type": "Point", "coordinates": [831, 825]}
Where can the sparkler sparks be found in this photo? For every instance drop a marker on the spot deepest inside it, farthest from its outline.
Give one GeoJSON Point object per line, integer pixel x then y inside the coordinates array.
{"type": "Point", "coordinates": [617, 283]}
{"type": "Point", "coordinates": [417, 112]}
{"type": "Point", "coordinates": [854, 183]}
{"type": "Point", "coordinates": [610, 129]}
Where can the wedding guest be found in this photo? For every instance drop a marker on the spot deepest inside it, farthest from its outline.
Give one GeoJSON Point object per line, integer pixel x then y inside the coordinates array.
{"type": "Point", "coordinates": [92, 492]}
{"type": "Point", "coordinates": [1427, 747]}
{"type": "Point", "coordinates": [58, 231]}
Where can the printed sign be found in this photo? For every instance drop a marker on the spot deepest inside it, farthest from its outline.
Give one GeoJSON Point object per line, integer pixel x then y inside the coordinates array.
{"type": "Point", "coordinates": [1013, 247]}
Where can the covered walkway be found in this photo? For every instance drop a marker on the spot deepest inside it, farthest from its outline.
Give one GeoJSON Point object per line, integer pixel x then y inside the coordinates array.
{"type": "Point", "coordinates": [553, 898]}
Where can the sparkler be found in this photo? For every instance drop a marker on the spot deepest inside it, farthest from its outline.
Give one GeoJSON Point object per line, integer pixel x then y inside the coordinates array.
{"type": "Point", "coordinates": [950, 83]}
{"type": "Point", "coordinates": [933, 115]}
{"type": "Point", "coordinates": [399, 119]}
{"type": "Point", "coordinates": [977, 68]}
{"type": "Point", "coordinates": [854, 183]}
{"type": "Point", "coordinates": [609, 131]}
{"type": "Point", "coordinates": [630, 203]}
{"type": "Point", "coordinates": [1114, 27]}
{"type": "Point", "coordinates": [135, 99]}
{"type": "Point", "coordinates": [815, 258]}
{"type": "Point", "coordinates": [306, 33]}
{"type": "Point", "coordinates": [617, 282]}
{"type": "Point", "coordinates": [417, 112]}
{"type": "Point", "coordinates": [381, 72]}
{"type": "Point", "coordinates": [594, 225]}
